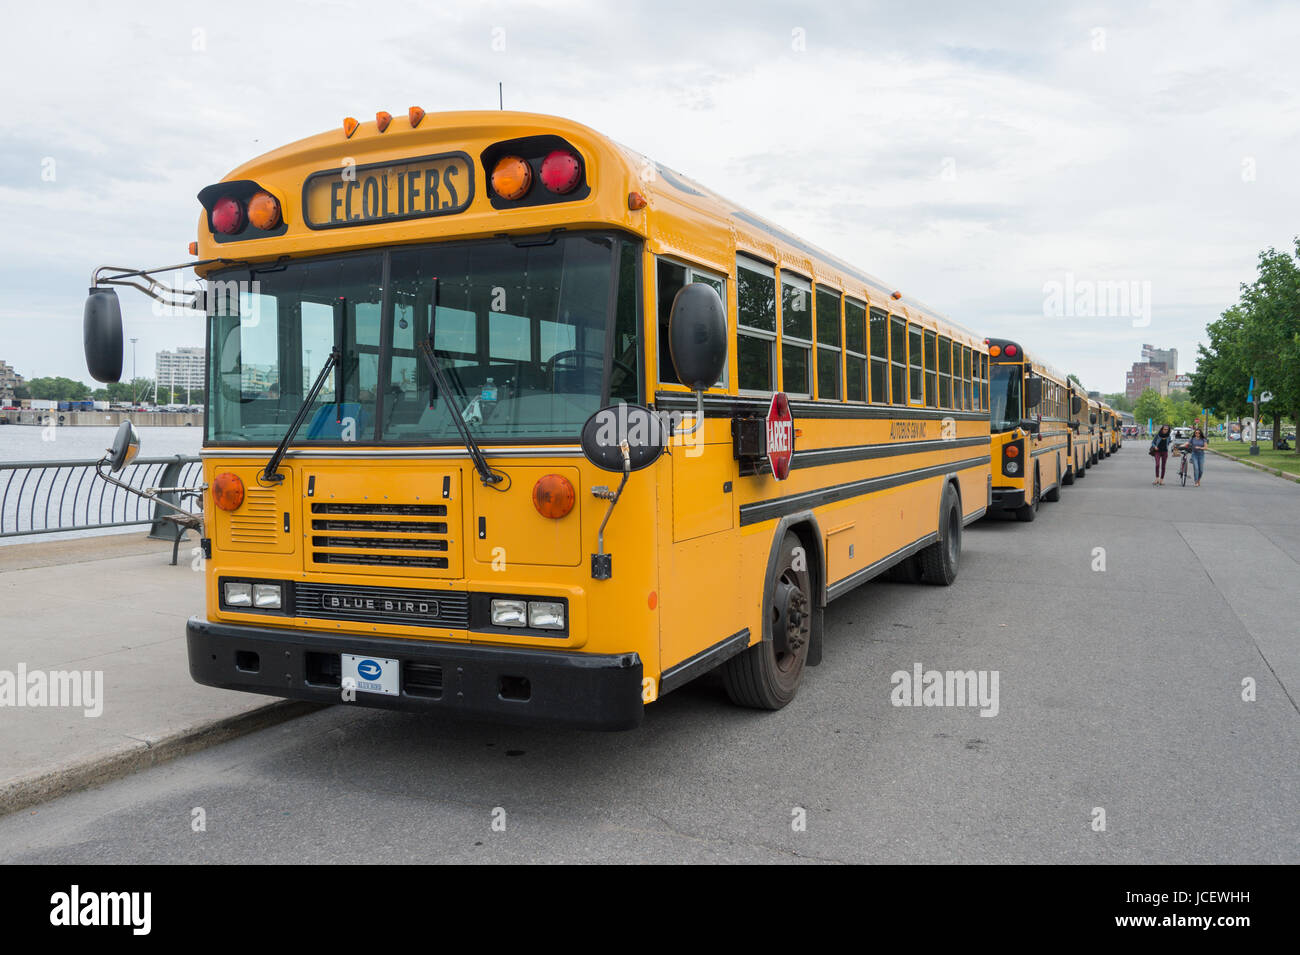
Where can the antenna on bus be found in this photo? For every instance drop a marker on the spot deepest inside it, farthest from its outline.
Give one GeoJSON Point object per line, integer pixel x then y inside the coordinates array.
{"type": "Point", "coordinates": [501, 101]}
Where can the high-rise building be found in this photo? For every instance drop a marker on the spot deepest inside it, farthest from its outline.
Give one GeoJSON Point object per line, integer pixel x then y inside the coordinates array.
{"type": "Point", "coordinates": [1167, 356]}
{"type": "Point", "coordinates": [9, 381]}
{"type": "Point", "coordinates": [181, 370]}
{"type": "Point", "coordinates": [1144, 375]}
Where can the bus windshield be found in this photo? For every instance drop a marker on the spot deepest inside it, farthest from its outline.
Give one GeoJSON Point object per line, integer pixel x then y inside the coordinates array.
{"type": "Point", "coordinates": [1004, 397]}
{"type": "Point", "coordinates": [521, 328]}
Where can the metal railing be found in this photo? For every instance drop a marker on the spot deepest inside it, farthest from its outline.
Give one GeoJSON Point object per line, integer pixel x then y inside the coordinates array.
{"type": "Point", "coordinates": [48, 497]}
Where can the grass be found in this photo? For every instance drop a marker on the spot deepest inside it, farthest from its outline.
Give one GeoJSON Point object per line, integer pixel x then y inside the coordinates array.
{"type": "Point", "coordinates": [1287, 461]}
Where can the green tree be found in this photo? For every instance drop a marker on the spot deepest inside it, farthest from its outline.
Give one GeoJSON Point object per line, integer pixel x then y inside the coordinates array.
{"type": "Point", "coordinates": [1149, 404]}
{"type": "Point", "coordinates": [58, 389]}
{"type": "Point", "coordinates": [1119, 401]}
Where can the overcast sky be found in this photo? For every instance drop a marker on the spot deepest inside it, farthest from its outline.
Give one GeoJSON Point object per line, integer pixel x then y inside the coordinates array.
{"type": "Point", "coordinates": [971, 154]}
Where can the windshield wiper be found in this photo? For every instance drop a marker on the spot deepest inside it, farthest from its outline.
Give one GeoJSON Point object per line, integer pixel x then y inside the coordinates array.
{"type": "Point", "coordinates": [486, 474]}
{"type": "Point", "coordinates": [271, 473]}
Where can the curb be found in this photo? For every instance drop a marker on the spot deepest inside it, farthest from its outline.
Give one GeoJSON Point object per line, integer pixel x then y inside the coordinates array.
{"type": "Point", "coordinates": [1258, 467]}
{"type": "Point", "coordinates": [25, 792]}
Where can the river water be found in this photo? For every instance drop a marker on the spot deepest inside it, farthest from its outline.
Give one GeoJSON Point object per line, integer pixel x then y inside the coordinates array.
{"type": "Point", "coordinates": [30, 443]}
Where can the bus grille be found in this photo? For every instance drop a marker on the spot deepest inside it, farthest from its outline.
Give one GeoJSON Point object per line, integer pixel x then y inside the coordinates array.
{"type": "Point", "coordinates": [380, 535]}
{"type": "Point", "coordinates": [257, 522]}
{"type": "Point", "coordinates": [396, 605]}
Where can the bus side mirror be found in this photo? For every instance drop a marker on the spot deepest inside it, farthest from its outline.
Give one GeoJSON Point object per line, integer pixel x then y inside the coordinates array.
{"type": "Point", "coordinates": [126, 445]}
{"type": "Point", "coordinates": [1030, 424]}
{"type": "Point", "coordinates": [697, 336]}
{"type": "Point", "coordinates": [1092, 419]}
{"type": "Point", "coordinates": [1076, 404]}
{"type": "Point", "coordinates": [1033, 392]}
{"type": "Point", "coordinates": [101, 330]}
{"type": "Point", "coordinates": [622, 429]}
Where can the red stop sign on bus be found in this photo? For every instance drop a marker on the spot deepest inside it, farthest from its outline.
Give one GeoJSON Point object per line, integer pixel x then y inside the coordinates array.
{"type": "Point", "coordinates": [780, 436]}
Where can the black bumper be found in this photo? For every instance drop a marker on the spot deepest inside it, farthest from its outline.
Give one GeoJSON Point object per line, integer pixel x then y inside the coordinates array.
{"type": "Point", "coordinates": [534, 687]}
{"type": "Point", "coordinates": [1006, 499]}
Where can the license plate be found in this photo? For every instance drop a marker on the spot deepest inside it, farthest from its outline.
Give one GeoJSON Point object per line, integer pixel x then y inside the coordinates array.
{"type": "Point", "coordinates": [372, 674]}
{"type": "Point", "coordinates": [388, 192]}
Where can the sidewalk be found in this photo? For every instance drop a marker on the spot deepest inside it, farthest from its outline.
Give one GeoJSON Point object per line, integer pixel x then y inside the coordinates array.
{"type": "Point", "coordinates": [114, 605]}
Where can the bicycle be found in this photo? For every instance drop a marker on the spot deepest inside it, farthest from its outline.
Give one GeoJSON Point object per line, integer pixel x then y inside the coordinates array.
{"type": "Point", "coordinates": [1184, 468]}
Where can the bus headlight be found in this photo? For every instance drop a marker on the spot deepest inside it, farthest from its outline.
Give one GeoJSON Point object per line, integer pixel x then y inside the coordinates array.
{"type": "Point", "coordinates": [266, 596]}
{"type": "Point", "coordinates": [1012, 467]}
{"type": "Point", "coordinates": [545, 615]}
{"type": "Point", "coordinates": [509, 613]}
{"type": "Point", "coordinates": [239, 595]}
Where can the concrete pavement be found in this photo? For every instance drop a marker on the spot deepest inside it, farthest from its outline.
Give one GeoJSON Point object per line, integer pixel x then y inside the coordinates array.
{"type": "Point", "coordinates": [1147, 713]}
{"type": "Point", "coordinates": [111, 605]}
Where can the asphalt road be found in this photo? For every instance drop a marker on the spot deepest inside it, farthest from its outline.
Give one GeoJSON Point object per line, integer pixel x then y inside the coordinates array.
{"type": "Point", "coordinates": [1118, 689]}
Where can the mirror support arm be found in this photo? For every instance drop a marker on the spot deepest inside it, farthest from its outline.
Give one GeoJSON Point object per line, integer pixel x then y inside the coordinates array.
{"type": "Point", "coordinates": [602, 564]}
{"type": "Point", "coordinates": [151, 493]}
{"type": "Point", "coordinates": [699, 416]}
{"type": "Point", "coordinates": [118, 275]}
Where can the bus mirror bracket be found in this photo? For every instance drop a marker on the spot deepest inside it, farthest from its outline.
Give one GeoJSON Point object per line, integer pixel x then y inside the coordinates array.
{"type": "Point", "coordinates": [620, 438]}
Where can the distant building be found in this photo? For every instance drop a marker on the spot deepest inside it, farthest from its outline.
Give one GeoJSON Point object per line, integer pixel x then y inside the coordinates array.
{"type": "Point", "coordinates": [1177, 384]}
{"type": "Point", "coordinates": [1144, 375]}
{"type": "Point", "coordinates": [1166, 356]}
{"type": "Point", "coordinates": [184, 369]}
{"type": "Point", "coordinates": [10, 380]}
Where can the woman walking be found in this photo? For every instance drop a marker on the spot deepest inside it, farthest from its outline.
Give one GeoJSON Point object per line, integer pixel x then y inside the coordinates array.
{"type": "Point", "coordinates": [1160, 451]}
{"type": "Point", "coordinates": [1196, 446]}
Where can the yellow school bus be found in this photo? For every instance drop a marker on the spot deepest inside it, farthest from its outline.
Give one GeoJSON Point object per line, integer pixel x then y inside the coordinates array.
{"type": "Point", "coordinates": [507, 420]}
{"type": "Point", "coordinates": [1029, 421]}
{"type": "Point", "coordinates": [1079, 438]}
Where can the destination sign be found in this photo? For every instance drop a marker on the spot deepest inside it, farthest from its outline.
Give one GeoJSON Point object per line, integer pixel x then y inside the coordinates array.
{"type": "Point", "coordinates": [388, 192]}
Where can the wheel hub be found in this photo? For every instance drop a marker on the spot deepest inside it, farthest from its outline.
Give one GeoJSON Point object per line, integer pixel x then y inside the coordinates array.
{"type": "Point", "coordinates": [791, 629]}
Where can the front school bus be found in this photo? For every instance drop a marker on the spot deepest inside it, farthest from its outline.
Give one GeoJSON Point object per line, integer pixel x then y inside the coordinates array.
{"type": "Point", "coordinates": [1028, 420]}
{"type": "Point", "coordinates": [506, 420]}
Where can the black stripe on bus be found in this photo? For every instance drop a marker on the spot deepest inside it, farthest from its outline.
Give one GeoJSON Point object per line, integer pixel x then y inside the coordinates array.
{"type": "Point", "coordinates": [761, 511]}
{"type": "Point", "coordinates": [682, 673]}
{"type": "Point", "coordinates": [731, 406]}
{"type": "Point", "coordinates": [1050, 447]}
{"type": "Point", "coordinates": [816, 457]}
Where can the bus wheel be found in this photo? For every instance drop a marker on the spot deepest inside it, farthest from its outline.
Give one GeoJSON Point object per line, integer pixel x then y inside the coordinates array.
{"type": "Point", "coordinates": [1069, 476]}
{"type": "Point", "coordinates": [939, 560]}
{"type": "Point", "coordinates": [767, 675]}
{"type": "Point", "coordinates": [1055, 493]}
{"type": "Point", "coordinates": [1027, 512]}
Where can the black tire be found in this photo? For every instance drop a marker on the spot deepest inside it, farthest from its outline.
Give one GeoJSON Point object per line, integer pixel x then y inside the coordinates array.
{"type": "Point", "coordinates": [940, 560]}
{"type": "Point", "coordinates": [767, 675]}
{"type": "Point", "coordinates": [1081, 471]}
{"type": "Point", "coordinates": [1055, 493]}
{"type": "Point", "coordinates": [1027, 512]}
{"type": "Point", "coordinates": [1069, 475]}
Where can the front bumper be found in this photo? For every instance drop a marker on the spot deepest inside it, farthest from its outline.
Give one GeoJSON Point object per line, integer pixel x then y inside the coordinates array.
{"type": "Point", "coordinates": [535, 687]}
{"type": "Point", "coordinates": [1007, 499]}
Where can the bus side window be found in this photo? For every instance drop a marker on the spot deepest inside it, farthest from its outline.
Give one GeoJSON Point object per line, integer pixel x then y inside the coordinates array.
{"type": "Point", "coordinates": [855, 350]}
{"type": "Point", "coordinates": [984, 382]}
{"type": "Point", "coordinates": [879, 357]}
{"type": "Point", "coordinates": [755, 326]}
{"type": "Point", "coordinates": [828, 344]}
{"type": "Point", "coordinates": [898, 359]}
{"type": "Point", "coordinates": [931, 369]}
{"type": "Point", "coordinates": [796, 335]}
{"type": "Point", "coordinates": [945, 373]}
{"type": "Point", "coordinates": [915, 393]}
{"type": "Point", "coordinates": [965, 371]}
{"type": "Point", "coordinates": [672, 279]}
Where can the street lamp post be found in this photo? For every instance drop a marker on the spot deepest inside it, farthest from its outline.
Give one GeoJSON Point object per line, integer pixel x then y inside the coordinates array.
{"type": "Point", "coordinates": [134, 376]}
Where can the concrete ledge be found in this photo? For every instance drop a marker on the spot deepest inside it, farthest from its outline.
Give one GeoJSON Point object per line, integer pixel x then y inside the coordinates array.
{"type": "Point", "coordinates": [1258, 467]}
{"type": "Point", "coordinates": [28, 791]}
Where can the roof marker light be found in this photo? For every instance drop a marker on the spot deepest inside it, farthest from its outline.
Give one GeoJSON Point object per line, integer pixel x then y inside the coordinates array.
{"type": "Point", "coordinates": [635, 201]}
{"type": "Point", "coordinates": [227, 215]}
{"type": "Point", "coordinates": [349, 126]}
{"type": "Point", "coordinates": [511, 178]}
{"type": "Point", "coordinates": [264, 211]}
{"type": "Point", "coordinates": [561, 171]}
{"type": "Point", "coordinates": [382, 119]}
{"type": "Point", "coordinates": [896, 295]}
{"type": "Point", "coordinates": [1011, 349]}
{"type": "Point", "coordinates": [995, 350]}
{"type": "Point", "coordinates": [415, 114]}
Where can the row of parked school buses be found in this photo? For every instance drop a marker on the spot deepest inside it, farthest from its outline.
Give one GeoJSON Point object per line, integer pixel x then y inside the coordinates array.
{"type": "Point", "coordinates": [1046, 432]}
